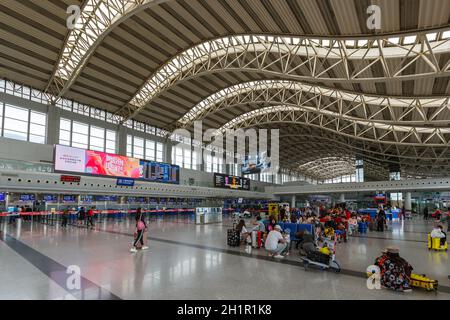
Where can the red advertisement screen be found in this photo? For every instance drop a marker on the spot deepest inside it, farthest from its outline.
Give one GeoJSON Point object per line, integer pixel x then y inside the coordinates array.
{"type": "Point", "coordinates": [100, 163]}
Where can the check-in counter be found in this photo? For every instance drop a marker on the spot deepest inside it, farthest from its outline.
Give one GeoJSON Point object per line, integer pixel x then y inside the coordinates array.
{"type": "Point", "coordinates": [205, 215]}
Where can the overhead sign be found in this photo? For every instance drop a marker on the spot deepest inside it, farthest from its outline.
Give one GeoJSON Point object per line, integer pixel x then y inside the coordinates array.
{"type": "Point", "coordinates": [68, 159]}
{"type": "Point", "coordinates": [65, 178]}
{"type": "Point", "coordinates": [125, 182]}
{"type": "Point", "coordinates": [27, 197]}
{"type": "Point", "coordinates": [231, 182]}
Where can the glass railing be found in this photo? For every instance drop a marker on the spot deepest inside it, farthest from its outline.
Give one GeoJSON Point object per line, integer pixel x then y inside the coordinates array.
{"type": "Point", "coordinates": [16, 165]}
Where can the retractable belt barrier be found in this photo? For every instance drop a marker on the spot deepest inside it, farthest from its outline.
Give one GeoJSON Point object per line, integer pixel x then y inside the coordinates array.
{"type": "Point", "coordinates": [52, 217]}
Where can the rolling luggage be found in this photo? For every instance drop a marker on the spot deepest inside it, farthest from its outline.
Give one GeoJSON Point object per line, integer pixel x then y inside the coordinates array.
{"type": "Point", "coordinates": [256, 239]}
{"type": "Point", "coordinates": [233, 237]}
{"type": "Point", "coordinates": [373, 225]}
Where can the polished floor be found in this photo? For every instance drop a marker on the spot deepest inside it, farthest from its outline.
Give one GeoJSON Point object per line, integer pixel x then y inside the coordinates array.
{"type": "Point", "coordinates": [186, 261]}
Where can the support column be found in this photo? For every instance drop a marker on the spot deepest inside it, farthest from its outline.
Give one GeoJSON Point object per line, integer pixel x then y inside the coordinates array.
{"type": "Point", "coordinates": [293, 201]}
{"type": "Point", "coordinates": [53, 120]}
{"type": "Point", "coordinates": [168, 151]}
{"type": "Point", "coordinates": [408, 204]}
{"type": "Point", "coordinates": [121, 141]}
{"type": "Point", "coordinates": [342, 198]}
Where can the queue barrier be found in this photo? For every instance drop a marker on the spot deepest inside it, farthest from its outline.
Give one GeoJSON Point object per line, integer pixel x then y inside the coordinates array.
{"type": "Point", "coordinates": [53, 217]}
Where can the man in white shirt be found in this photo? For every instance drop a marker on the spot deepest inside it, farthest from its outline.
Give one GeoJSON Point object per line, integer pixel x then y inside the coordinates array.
{"type": "Point", "coordinates": [275, 242]}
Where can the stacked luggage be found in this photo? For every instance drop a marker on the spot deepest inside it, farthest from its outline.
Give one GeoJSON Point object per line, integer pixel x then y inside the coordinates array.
{"type": "Point", "coordinates": [233, 237]}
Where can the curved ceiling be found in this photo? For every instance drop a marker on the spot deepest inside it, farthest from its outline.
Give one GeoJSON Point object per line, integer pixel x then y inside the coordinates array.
{"type": "Point", "coordinates": [384, 91]}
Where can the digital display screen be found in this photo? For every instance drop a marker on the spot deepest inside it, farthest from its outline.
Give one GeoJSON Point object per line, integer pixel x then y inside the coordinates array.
{"type": "Point", "coordinates": [163, 200]}
{"type": "Point", "coordinates": [69, 198]}
{"type": "Point", "coordinates": [87, 199]}
{"type": "Point", "coordinates": [136, 199]}
{"type": "Point", "coordinates": [255, 163]}
{"type": "Point", "coordinates": [2, 196]}
{"type": "Point", "coordinates": [160, 172]}
{"type": "Point", "coordinates": [231, 182]}
{"type": "Point", "coordinates": [65, 178]}
{"type": "Point", "coordinates": [95, 162]}
{"type": "Point", "coordinates": [26, 197]}
{"type": "Point", "coordinates": [105, 198]}
{"type": "Point", "coordinates": [50, 198]}
{"type": "Point", "coordinates": [69, 159]}
{"type": "Point", "coordinates": [125, 182]}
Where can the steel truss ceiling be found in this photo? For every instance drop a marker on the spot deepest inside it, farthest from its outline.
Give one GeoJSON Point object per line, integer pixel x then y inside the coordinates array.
{"type": "Point", "coordinates": [155, 59]}
{"type": "Point", "coordinates": [97, 18]}
{"type": "Point", "coordinates": [363, 130]}
{"type": "Point", "coordinates": [341, 104]}
{"type": "Point", "coordinates": [299, 58]}
{"type": "Point", "coordinates": [303, 148]}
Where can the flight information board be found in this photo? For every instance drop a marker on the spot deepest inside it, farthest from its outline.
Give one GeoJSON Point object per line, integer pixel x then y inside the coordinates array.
{"type": "Point", "coordinates": [231, 182]}
{"type": "Point", "coordinates": [160, 172]}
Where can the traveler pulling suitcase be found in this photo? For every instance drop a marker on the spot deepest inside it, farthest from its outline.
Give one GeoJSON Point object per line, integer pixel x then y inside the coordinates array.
{"type": "Point", "coordinates": [256, 239]}
{"type": "Point", "coordinates": [233, 237]}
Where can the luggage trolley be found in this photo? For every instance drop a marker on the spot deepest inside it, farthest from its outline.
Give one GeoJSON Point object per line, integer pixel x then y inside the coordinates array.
{"type": "Point", "coordinates": [332, 263]}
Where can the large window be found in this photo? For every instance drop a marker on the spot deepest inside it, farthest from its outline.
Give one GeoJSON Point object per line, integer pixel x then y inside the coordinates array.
{"type": "Point", "coordinates": [183, 156]}
{"type": "Point", "coordinates": [214, 163]}
{"type": "Point", "coordinates": [22, 124]}
{"type": "Point", "coordinates": [81, 135]}
{"type": "Point", "coordinates": [141, 148]}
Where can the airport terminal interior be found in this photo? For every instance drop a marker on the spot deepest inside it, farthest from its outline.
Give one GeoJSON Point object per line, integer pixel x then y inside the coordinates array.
{"type": "Point", "coordinates": [224, 149]}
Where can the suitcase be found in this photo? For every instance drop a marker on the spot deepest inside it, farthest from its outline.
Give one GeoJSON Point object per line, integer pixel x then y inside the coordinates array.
{"type": "Point", "coordinates": [233, 237]}
{"type": "Point", "coordinates": [256, 239]}
{"type": "Point", "coordinates": [372, 225]}
{"type": "Point", "coordinates": [318, 257]}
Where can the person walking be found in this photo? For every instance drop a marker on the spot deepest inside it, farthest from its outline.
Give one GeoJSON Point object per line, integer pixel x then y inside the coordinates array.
{"type": "Point", "coordinates": [425, 213]}
{"type": "Point", "coordinates": [381, 219]}
{"type": "Point", "coordinates": [90, 218]}
{"type": "Point", "coordinates": [64, 218]}
{"type": "Point", "coordinates": [141, 227]}
{"type": "Point", "coordinates": [81, 216]}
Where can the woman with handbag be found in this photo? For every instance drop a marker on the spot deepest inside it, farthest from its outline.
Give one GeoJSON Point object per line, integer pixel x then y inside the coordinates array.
{"type": "Point", "coordinates": [141, 227]}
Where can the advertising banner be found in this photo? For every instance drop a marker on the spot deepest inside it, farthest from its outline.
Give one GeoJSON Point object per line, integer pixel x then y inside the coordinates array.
{"type": "Point", "coordinates": [68, 159]}
{"type": "Point", "coordinates": [106, 164]}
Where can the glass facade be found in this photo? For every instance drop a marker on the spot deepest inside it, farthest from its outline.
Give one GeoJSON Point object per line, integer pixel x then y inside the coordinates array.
{"type": "Point", "coordinates": [147, 149]}
{"type": "Point", "coordinates": [22, 124]}
{"type": "Point", "coordinates": [85, 136]}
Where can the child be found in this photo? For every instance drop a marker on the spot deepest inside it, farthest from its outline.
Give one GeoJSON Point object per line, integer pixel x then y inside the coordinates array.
{"type": "Point", "coordinates": [287, 237]}
{"type": "Point", "coordinates": [325, 249]}
{"type": "Point", "coordinates": [352, 225]}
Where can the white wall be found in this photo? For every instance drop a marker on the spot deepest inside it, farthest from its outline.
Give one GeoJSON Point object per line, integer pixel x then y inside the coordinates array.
{"type": "Point", "coordinates": [33, 152]}
{"type": "Point", "coordinates": [25, 151]}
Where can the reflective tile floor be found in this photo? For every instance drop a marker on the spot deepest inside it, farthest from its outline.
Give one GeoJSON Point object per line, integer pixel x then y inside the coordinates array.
{"type": "Point", "coordinates": [186, 261]}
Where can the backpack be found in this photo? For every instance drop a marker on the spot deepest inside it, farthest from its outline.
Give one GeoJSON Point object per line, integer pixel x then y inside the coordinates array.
{"type": "Point", "coordinates": [140, 225]}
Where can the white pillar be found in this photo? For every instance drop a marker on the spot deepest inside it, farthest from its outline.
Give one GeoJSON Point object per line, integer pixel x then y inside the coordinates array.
{"type": "Point", "coordinates": [121, 140]}
{"type": "Point", "coordinates": [408, 205]}
{"type": "Point", "coordinates": [53, 120]}
{"type": "Point", "coordinates": [342, 198]}
{"type": "Point", "coordinates": [293, 200]}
